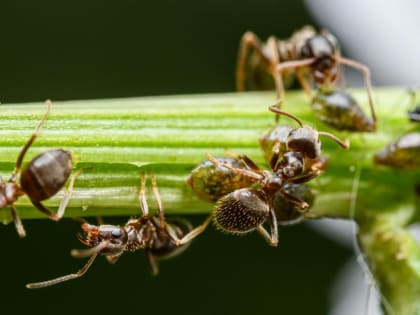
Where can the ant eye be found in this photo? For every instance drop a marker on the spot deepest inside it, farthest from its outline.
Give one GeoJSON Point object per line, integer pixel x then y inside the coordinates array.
{"type": "Point", "coordinates": [116, 233]}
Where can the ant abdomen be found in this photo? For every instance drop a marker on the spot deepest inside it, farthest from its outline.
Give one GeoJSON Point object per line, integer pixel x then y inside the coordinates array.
{"type": "Point", "coordinates": [341, 111]}
{"type": "Point", "coordinates": [241, 211]}
{"type": "Point", "coordinates": [46, 174]}
{"type": "Point", "coordinates": [304, 140]}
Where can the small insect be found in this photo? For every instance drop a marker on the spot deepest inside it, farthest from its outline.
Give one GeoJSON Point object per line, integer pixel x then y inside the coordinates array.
{"type": "Point", "coordinates": [311, 56]}
{"type": "Point", "coordinates": [403, 153]}
{"type": "Point", "coordinates": [158, 238]}
{"type": "Point", "coordinates": [340, 110]}
{"type": "Point", "coordinates": [41, 179]}
{"type": "Point", "coordinates": [210, 181]}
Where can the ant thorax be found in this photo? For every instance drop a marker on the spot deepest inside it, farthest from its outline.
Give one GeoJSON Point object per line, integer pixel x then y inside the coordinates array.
{"type": "Point", "coordinates": [9, 193]}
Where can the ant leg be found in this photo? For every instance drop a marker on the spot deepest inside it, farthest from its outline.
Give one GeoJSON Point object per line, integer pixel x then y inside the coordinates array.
{"type": "Point", "coordinates": [366, 74]}
{"type": "Point", "coordinates": [282, 66]}
{"type": "Point", "coordinates": [194, 233]}
{"type": "Point", "coordinates": [244, 172]}
{"type": "Point", "coordinates": [249, 40]}
{"type": "Point", "coordinates": [22, 153]}
{"type": "Point", "coordinates": [302, 204]}
{"type": "Point", "coordinates": [248, 162]}
{"type": "Point", "coordinates": [276, 155]}
{"type": "Point", "coordinates": [305, 178]}
{"type": "Point", "coordinates": [18, 223]}
{"type": "Point", "coordinates": [152, 262]}
{"type": "Point", "coordinates": [67, 196]}
{"type": "Point", "coordinates": [83, 253]}
{"type": "Point", "coordinates": [45, 210]}
{"type": "Point", "coordinates": [142, 197]}
{"type": "Point", "coordinates": [158, 200]}
{"type": "Point", "coordinates": [304, 82]}
{"type": "Point", "coordinates": [272, 239]}
{"type": "Point", "coordinates": [273, 46]}
{"type": "Point", "coordinates": [81, 272]}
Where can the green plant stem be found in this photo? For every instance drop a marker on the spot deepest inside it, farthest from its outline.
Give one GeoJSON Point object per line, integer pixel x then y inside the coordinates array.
{"type": "Point", "coordinates": [120, 138]}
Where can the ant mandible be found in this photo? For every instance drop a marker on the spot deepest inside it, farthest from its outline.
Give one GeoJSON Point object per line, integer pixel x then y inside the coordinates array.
{"type": "Point", "coordinates": [42, 178]}
{"type": "Point", "coordinates": [158, 238]}
{"type": "Point", "coordinates": [307, 54]}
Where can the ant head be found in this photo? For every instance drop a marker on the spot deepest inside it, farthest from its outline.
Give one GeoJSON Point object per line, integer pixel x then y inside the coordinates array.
{"type": "Point", "coordinates": [291, 164]}
{"type": "Point", "coordinates": [95, 235]}
{"type": "Point", "coordinates": [322, 47]}
{"type": "Point", "coordinates": [241, 211]}
{"type": "Point", "coordinates": [306, 141]}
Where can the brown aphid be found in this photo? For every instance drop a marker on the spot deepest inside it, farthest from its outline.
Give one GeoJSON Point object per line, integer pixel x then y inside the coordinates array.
{"type": "Point", "coordinates": [414, 111]}
{"type": "Point", "coordinates": [404, 153]}
{"type": "Point", "coordinates": [311, 56]}
{"type": "Point", "coordinates": [340, 110]}
{"type": "Point", "coordinates": [41, 179]}
{"type": "Point", "coordinates": [288, 213]}
{"type": "Point", "coordinates": [210, 181]}
{"type": "Point", "coordinates": [276, 135]}
{"type": "Point", "coordinates": [153, 234]}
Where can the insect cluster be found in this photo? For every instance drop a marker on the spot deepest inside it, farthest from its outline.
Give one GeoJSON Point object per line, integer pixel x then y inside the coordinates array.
{"type": "Point", "coordinates": [246, 197]}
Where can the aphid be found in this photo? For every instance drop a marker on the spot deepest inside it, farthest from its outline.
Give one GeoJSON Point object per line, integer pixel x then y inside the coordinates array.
{"type": "Point", "coordinates": [158, 238]}
{"type": "Point", "coordinates": [311, 56]}
{"type": "Point", "coordinates": [403, 153]}
{"type": "Point", "coordinates": [414, 113]}
{"type": "Point", "coordinates": [210, 181]}
{"type": "Point", "coordinates": [41, 179]}
{"type": "Point", "coordinates": [340, 110]}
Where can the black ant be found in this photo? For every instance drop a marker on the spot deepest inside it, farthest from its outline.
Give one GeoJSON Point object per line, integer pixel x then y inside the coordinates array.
{"type": "Point", "coordinates": [246, 209]}
{"type": "Point", "coordinates": [297, 151]}
{"type": "Point", "coordinates": [41, 179]}
{"type": "Point", "coordinates": [307, 54]}
{"type": "Point", "coordinates": [158, 238]}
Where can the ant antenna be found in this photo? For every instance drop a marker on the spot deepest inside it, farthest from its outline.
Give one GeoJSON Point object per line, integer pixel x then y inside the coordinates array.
{"type": "Point", "coordinates": [29, 143]}
{"type": "Point", "coordinates": [274, 108]}
{"type": "Point", "coordinates": [344, 144]}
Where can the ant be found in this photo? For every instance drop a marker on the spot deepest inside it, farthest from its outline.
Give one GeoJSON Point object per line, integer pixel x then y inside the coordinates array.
{"type": "Point", "coordinates": [158, 238]}
{"type": "Point", "coordinates": [307, 54]}
{"type": "Point", "coordinates": [41, 179]}
{"type": "Point", "coordinates": [246, 209]}
{"type": "Point", "coordinates": [296, 150]}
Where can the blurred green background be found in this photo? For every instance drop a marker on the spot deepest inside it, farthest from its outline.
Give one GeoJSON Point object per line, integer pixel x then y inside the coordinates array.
{"type": "Point", "coordinates": [100, 49]}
